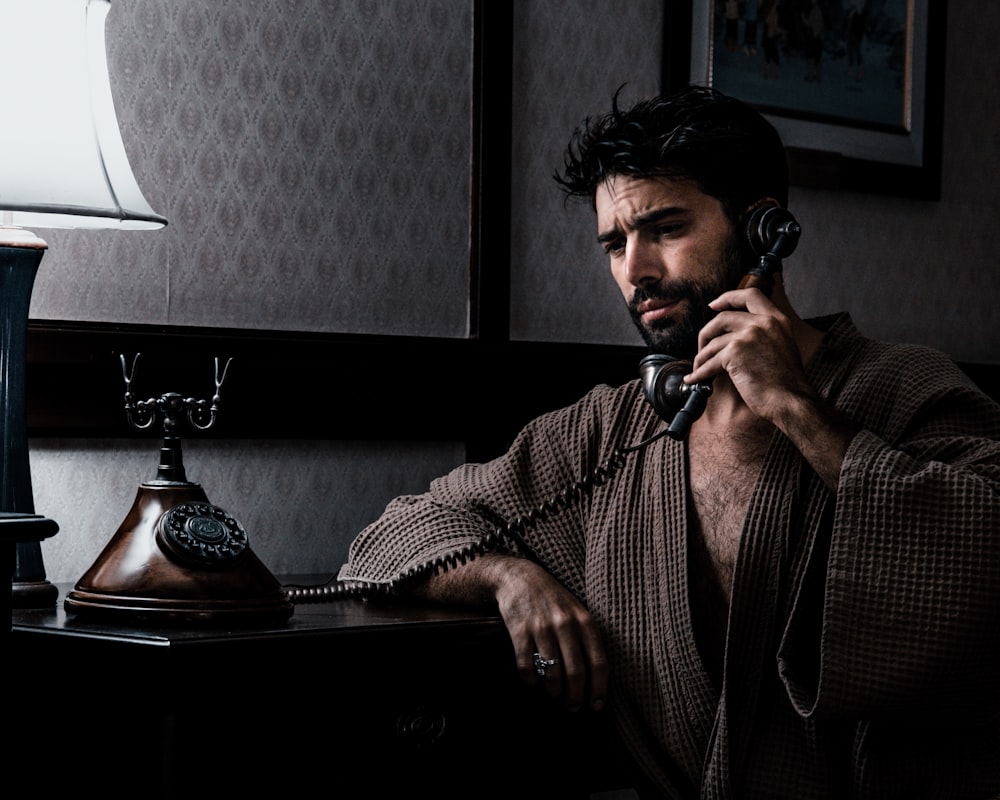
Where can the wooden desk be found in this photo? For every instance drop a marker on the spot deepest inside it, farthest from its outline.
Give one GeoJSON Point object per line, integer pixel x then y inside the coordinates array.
{"type": "Point", "coordinates": [349, 699]}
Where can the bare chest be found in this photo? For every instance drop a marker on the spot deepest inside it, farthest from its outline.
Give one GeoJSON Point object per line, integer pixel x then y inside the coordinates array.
{"type": "Point", "coordinates": [723, 472]}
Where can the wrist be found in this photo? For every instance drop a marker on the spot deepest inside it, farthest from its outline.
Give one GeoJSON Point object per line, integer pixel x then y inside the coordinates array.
{"type": "Point", "coordinates": [820, 432]}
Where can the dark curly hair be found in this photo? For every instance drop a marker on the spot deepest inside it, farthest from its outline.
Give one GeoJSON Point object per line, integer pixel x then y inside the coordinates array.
{"type": "Point", "coordinates": [725, 146]}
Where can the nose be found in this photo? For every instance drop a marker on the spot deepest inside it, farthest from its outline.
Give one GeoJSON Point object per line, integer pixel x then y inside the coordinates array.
{"type": "Point", "coordinates": [642, 262]}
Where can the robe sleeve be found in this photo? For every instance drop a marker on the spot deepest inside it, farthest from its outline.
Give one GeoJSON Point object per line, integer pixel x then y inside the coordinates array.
{"type": "Point", "coordinates": [900, 613]}
{"type": "Point", "coordinates": [460, 514]}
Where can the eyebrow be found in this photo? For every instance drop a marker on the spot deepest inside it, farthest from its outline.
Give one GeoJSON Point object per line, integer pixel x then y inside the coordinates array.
{"type": "Point", "coordinates": [649, 218]}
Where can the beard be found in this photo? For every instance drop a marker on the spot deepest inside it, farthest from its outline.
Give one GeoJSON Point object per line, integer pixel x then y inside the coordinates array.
{"type": "Point", "coordinates": [678, 336]}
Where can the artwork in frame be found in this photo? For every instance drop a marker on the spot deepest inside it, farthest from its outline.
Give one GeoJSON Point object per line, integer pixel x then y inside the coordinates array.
{"type": "Point", "coordinates": [855, 87]}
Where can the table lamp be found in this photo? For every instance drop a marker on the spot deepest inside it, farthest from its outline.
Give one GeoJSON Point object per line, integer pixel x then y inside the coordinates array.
{"type": "Point", "coordinates": [62, 165]}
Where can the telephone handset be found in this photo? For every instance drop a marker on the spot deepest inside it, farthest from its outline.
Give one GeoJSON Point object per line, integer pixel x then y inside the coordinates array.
{"type": "Point", "coordinates": [772, 233]}
{"type": "Point", "coordinates": [679, 404]}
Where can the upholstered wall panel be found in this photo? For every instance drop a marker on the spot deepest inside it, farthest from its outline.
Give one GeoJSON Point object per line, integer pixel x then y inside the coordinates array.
{"type": "Point", "coordinates": [569, 59]}
{"type": "Point", "coordinates": [300, 502]}
{"type": "Point", "coordinates": [312, 158]}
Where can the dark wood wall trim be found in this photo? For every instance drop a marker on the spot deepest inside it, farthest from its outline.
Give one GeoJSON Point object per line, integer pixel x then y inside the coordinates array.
{"type": "Point", "coordinates": [676, 62]}
{"type": "Point", "coordinates": [286, 385]}
{"type": "Point", "coordinates": [489, 285]}
{"type": "Point", "coordinates": [278, 385]}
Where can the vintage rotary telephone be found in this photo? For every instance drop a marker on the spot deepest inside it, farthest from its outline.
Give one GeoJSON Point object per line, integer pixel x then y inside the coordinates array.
{"type": "Point", "coordinates": [177, 558]}
{"type": "Point", "coordinates": [772, 233]}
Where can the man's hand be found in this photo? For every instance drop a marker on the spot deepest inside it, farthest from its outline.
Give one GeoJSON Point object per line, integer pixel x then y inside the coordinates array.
{"type": "Point", "coordinates": [541, 616]}
{"type": "Point", "coordinates": [763, 350]}
{"type": "Point", "coordinates": [754, 342]}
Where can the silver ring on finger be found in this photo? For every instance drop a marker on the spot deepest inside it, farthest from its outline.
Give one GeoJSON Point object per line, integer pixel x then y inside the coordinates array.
{"type": "Point", "coordinates": [542, 664]}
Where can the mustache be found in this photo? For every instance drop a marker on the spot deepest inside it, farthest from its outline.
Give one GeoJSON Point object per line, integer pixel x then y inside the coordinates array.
{"type": "Point", "coordinates": [672, 291]}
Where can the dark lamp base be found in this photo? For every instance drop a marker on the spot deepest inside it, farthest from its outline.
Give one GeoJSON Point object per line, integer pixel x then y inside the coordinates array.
{"type": "Point", "coordinates": [20, 255]}
{"type": "Point", "coordinates": [33, 594]}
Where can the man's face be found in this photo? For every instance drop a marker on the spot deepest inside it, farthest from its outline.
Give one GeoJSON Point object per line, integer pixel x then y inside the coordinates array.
{"type": "Point", "coordinates": [672, 249]}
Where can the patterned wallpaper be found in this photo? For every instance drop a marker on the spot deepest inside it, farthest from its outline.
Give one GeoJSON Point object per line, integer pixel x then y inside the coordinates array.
{"type": "Point", "coordinates": [312, 158]}
{"type": "Point", "coordinates": [313, 161]}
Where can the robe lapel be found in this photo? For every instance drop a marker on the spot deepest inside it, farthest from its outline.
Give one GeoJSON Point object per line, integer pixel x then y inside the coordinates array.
{"type": "Point", "coordinates": [678, 664]}
{"type": "Point", "coordinates": [751, 639]}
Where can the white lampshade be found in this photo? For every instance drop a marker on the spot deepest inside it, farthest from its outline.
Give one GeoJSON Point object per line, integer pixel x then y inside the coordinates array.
{"type": "Point", "coordinates": [62, 161]}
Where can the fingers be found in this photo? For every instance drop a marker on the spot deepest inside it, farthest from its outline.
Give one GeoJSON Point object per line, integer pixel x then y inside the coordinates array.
{"type": "Point", "coordinates": [566, 657]}
{"type": "Point", "coordinates": [753, 342]}
{"type": "Point", "coordinates": [549, 666]}
{"type": "Point", "coordinates": [720, 333]}
{"type": "Point", "coordinates": [543, 617]}
{"type": "Point", "coordinates": [752, 300]}
{"type": "Point", "coordinates": [580, 681]}
{"type": "Point", "coordinates": [744, 317]}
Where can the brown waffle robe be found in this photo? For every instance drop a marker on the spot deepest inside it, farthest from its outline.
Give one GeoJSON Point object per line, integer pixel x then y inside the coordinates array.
{"type": "Point", "coordinates": [863, 649]}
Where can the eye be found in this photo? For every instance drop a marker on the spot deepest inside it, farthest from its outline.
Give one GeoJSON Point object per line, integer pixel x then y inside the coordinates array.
{"type": "Point", "coordinates": [669, 230]}
{"type": "Point", "coordinates": [614, 247]}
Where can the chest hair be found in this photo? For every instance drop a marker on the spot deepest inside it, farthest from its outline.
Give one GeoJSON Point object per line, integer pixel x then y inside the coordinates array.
{"type": "Point", "coordinates": [723, 469]}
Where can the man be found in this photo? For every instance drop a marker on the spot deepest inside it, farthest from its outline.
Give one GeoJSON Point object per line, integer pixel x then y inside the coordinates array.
{"type": "Point", "coordinates": [801, 599]}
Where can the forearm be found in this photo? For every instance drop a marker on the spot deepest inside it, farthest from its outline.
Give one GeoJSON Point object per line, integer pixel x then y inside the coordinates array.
{"type": "Point", "coordinates": [474, 583]}
{"type": "Point", "coordinates": [819, 432]}
{"type": "Point", "coordinates": [911, 583]}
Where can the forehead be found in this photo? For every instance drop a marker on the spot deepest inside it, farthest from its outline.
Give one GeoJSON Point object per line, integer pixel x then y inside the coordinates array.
{"type": "Point", "coordinates": [623, 199]}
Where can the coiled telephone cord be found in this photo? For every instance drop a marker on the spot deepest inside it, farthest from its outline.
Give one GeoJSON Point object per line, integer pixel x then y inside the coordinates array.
{"type": "Point", "coordinates": [508, 536]}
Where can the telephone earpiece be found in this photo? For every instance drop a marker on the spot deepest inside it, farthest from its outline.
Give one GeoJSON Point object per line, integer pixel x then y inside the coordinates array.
{"type": "Point", "coordinates": [676, 402]}
{"type": "Point", "coordinates": [772, 233]}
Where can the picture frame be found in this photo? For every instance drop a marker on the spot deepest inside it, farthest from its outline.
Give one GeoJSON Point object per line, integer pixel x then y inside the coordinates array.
{"type": "Point", "coordinates": [861, 112]}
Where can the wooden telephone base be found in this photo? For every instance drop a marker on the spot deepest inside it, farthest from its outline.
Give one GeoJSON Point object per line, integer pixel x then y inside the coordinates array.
{"type": "Point", "coordinates": [176, 558]}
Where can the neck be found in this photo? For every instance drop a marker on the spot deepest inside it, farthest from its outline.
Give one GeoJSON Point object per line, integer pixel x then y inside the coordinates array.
{"type": "Point", "coordinates": [807, 338]}
{"type": "Point", "coordinates": [725, 408]}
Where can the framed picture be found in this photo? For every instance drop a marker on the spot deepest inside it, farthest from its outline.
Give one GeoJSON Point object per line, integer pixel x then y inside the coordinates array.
{"type": "Point", "coordinates": [854, 87]}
